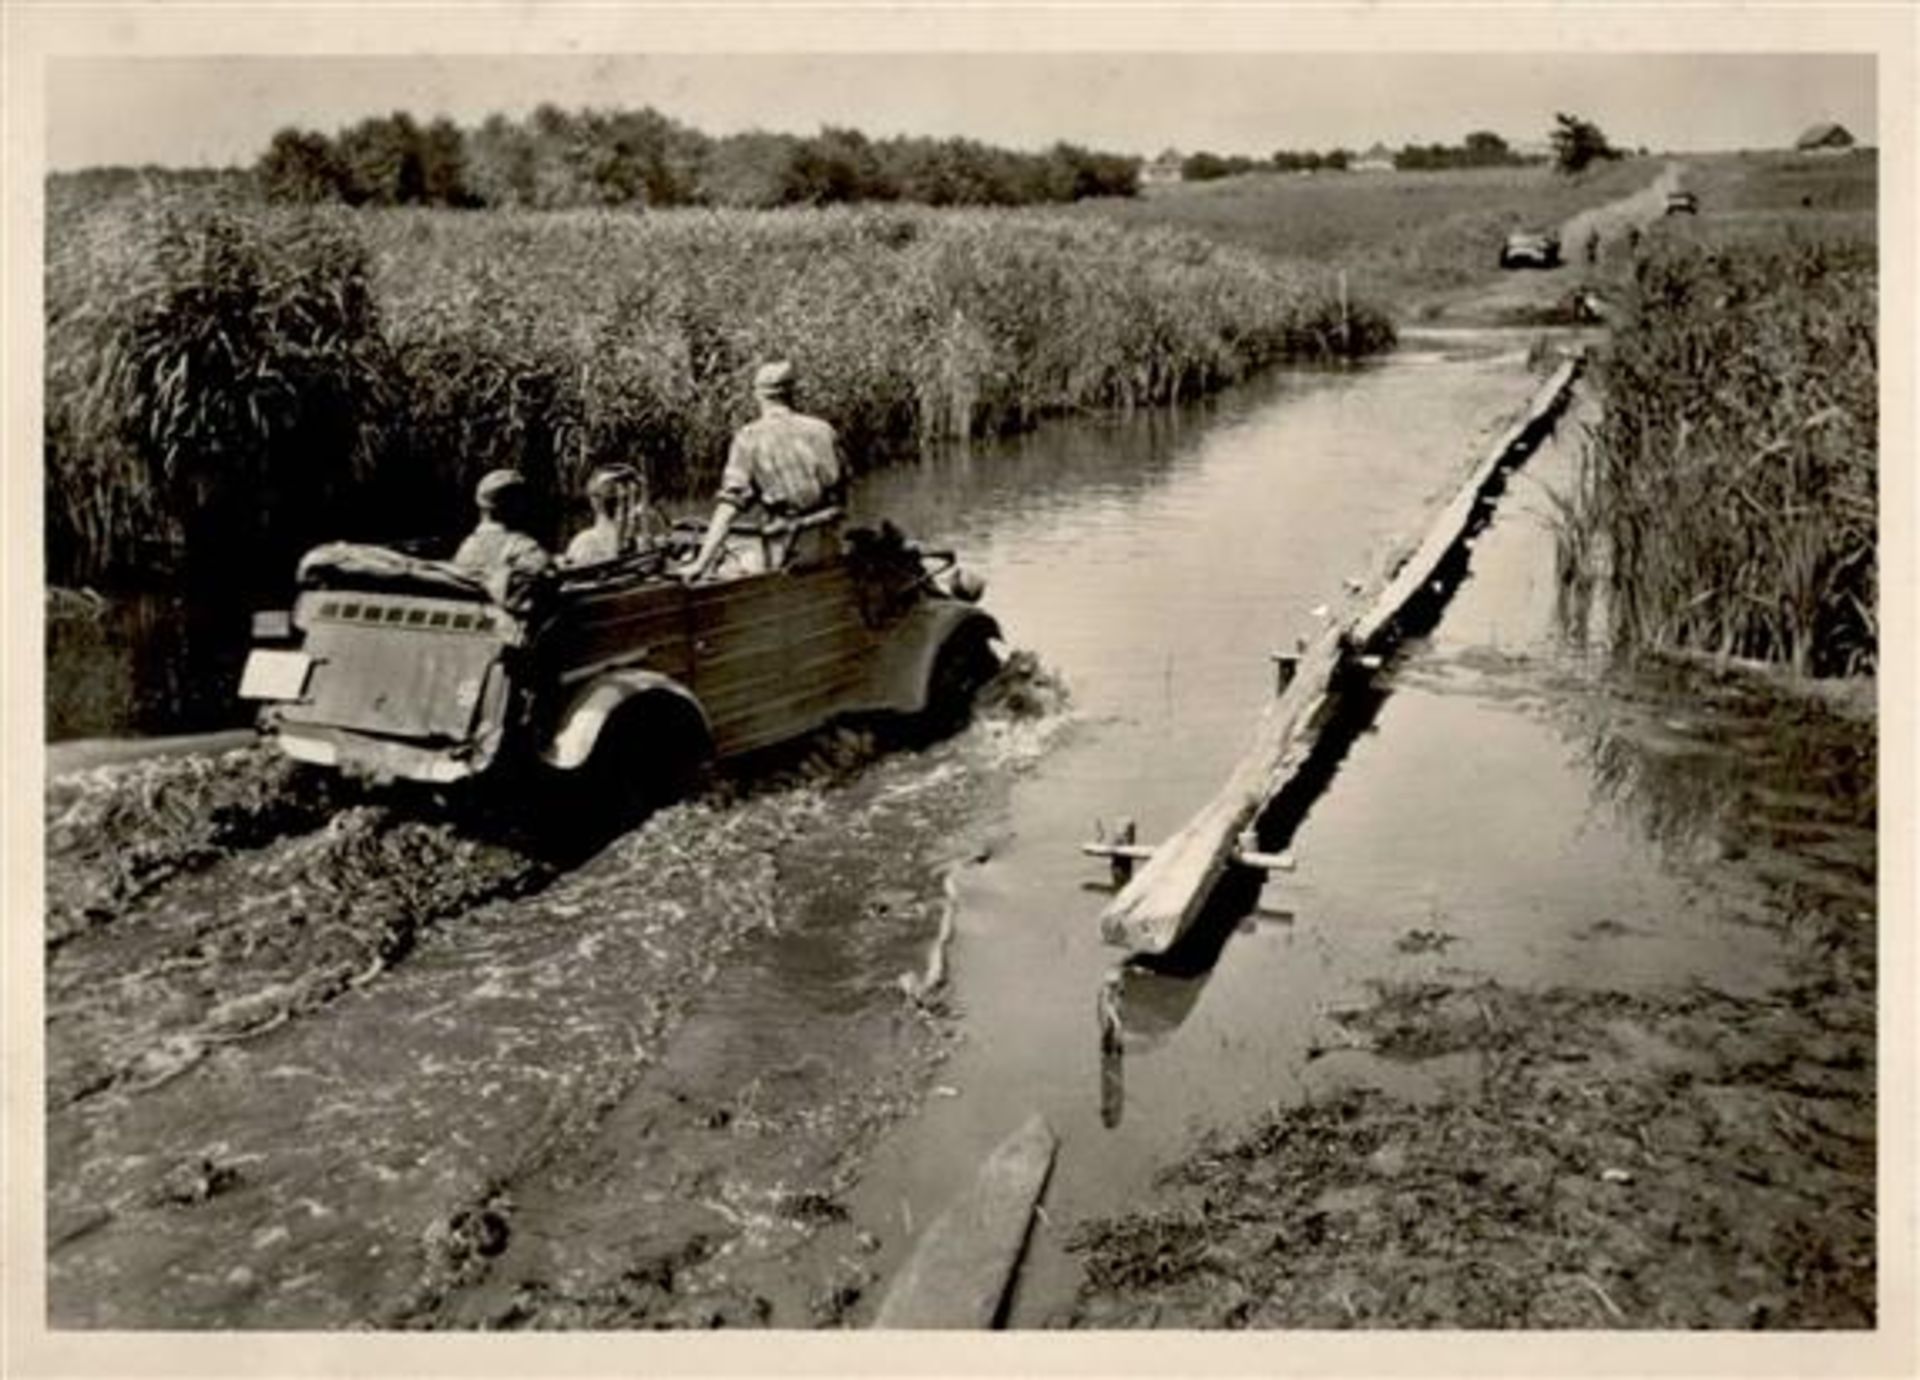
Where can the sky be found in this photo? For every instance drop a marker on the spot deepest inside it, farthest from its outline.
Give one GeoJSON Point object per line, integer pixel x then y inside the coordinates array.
{"type": "Point", "coordinates": [211, 111]}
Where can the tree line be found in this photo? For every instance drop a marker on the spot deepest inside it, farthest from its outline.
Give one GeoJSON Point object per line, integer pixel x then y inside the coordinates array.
{"type": "Point", "coordinates": [555, 159]}
{"type": "Point", "coordinates": [1480, 149]}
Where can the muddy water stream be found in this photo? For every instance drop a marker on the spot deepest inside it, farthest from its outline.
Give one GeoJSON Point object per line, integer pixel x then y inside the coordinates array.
{"type": "Point", "coordinates": [1464, 832]}
{"type": "Point", "coordinates": [680, 1082]}
{"type": "Point", "coordinates": [1156, 565]}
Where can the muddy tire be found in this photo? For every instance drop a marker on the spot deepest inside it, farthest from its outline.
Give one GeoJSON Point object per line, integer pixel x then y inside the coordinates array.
{"type": "Point", "coordinates": [647, 756]}
{"type": "Point", "coordinates": [964, 664]}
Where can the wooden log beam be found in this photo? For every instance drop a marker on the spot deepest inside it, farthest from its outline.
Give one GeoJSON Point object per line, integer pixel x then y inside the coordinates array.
{"type": "Point", "coordinates": [1168, 892]}
{"type": "Point", "coordinates": [963, 1264]}
{"type": "Point", "coordinates": [1452, 522]}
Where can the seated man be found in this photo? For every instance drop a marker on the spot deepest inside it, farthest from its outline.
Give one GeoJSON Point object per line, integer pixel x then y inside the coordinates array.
{"type": "Point", "coordinates": [498, 552]}
{"type": "Point", "coordinates": [623, 520]}
{"type": "Point", "coordinates": [787, 463]}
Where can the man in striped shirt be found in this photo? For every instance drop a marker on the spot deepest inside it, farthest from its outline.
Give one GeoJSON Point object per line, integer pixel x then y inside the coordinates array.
{"type": "Point", "coordinates": [787, 464]}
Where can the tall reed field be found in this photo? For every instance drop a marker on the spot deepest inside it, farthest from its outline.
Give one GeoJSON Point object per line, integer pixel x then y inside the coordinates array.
{"type": "Point", "coordinates": [1726, 499]}
{"type": "Point", "coordinates": [227, 382]}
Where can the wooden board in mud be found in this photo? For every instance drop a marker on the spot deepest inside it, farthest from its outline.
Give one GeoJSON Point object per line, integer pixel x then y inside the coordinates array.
{"type": "Point", "coordinates": [958, 1274]}
{"type": "Point", "coordinates": [1168, 893]}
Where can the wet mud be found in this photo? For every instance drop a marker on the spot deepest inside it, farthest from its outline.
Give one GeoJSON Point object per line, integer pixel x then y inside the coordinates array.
{"type": "Point", "coordinates": [1477, 1145]}
{"type": "Point", "coordinates": [322, 1056]}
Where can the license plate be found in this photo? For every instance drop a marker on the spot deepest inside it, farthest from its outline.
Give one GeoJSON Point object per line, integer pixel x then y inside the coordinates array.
{"type": "Point", "coordinates": [275, 675]}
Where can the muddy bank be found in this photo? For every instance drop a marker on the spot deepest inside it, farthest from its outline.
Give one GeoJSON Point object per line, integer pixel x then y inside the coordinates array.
{"type": "Point", "coordinates": [1474, 1149]}
{"type": "Point", "coordinates": [319, 1056]}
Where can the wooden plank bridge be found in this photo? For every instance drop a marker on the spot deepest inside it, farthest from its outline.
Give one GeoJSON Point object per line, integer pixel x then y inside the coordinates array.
{"type": "Point", "coordinates": [1160, 902]}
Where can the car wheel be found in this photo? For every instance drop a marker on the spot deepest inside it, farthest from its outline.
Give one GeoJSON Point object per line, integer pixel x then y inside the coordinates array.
{"type": "Point", "coordinates": [964, 664]}
{"type": "Point", "coordinates": [648, 755]}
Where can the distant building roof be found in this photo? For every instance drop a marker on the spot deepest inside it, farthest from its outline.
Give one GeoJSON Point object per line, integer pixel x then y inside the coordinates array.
{"type": "Point", "coordinates": [1163, 168]}
{"type": "Point", "coordinates": [1826, 135]}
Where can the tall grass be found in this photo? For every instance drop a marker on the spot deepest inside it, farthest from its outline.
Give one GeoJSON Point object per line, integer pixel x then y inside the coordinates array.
{"type": "Point", "coordinates": [1731, 481]}
{"type": "Point", "coordinates": [360, 369]}
{"type": "Point", "coordinates": [208, 387]}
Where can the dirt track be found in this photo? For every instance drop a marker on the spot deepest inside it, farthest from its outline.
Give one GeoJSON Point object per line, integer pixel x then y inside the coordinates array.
{"type": "Point", "coordinates": [1551, 296]}
{"type": "Point", "coordinates": [1614, 219]}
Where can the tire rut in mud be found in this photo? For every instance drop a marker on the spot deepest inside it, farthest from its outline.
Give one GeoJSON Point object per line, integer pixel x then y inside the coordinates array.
{"type": "Point", "coordinates": [383, 1148]}
{"type": "Point", "coordinates": [198, 902]}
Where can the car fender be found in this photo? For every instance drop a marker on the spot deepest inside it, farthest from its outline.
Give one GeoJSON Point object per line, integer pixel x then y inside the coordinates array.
{"type": "Point", "coordinates": [899, 678]}
{"type": "Point", "coordinates": [579, 725]}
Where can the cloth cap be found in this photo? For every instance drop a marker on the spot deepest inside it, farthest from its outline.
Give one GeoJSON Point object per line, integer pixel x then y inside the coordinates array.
{"type": "Point", "coordinates": [496, 482]}
{"type": "Point", "coordinates": [610, 477]}
{"type": "Point", "coordinates": [774, 380]}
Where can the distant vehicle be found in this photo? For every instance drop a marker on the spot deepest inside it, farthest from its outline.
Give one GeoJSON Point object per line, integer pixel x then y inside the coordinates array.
{"type": "Point", "coordinates": [1530, 248]}
{"type": "Point", "coordinates": [1682, 203]}
{"type": "Point", "coordinates": [618, 676]}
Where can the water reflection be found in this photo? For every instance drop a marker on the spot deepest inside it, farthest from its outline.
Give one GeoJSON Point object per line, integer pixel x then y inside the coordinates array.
{"type": "Point", "coordinates": [1146, 999]}
{"type": "Point", "coordinates": [963, 487]}
{"type": "Point", "coordinates": [1738, 769]}
{"type": "Point", "coordinates": [141, 663]}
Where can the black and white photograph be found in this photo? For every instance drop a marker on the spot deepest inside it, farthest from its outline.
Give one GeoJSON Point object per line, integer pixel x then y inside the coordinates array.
{"type": "Point", "coordinates": [730, 687]}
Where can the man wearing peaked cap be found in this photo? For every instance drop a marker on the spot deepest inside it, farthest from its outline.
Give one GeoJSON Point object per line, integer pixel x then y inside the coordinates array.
{"type": "Point", "coordinates": [786, 464]}
{"type": "Point", "coordinates": [774, 380]}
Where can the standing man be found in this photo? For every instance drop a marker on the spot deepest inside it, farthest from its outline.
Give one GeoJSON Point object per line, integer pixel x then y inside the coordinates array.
{"type": "Point", "coordinates": [787, 463]}
{"type": "Point", "coordinates": [498, 551]}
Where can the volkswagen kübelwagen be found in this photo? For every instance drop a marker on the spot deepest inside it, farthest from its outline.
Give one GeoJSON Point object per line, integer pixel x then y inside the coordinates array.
{"type": "Point", "coordinates": [410, 669]}
{"type": "Point", "coordinates": [1530, 248]}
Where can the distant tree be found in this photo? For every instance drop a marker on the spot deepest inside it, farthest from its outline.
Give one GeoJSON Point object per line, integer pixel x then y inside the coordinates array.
{"type": "Point", "coordinates": [961, 172]}
{"type": "Point", "coordinates": [443, 165]}
{"type": "Point", "coordinates": [1205, 167]}
{"type": "Point", "coordinates": [1480, 149]}
{"type": "Point", "coordinates": [837, 165]}
{"type": "Point", "coordinates": [755, 169]}
{"type": "Point", "coordinates": [301, 166]}
{"type": "Point", "coordinates": [500, 160]}
{"type": "Point", "coordinates": [1293, 160]}
{"type": "Point", "coordinates": [556, 158]}
{"type": "Point", "coordinates": [1578, 143]}
{"type": "Point", "coordinates": [382, 161]}
{"type": "Point", "coordinates": [1486, 149]}
{"type": "Point", "coordinates": [560, 178]}
{"type": "Point", "coordinates": [1075, 174]}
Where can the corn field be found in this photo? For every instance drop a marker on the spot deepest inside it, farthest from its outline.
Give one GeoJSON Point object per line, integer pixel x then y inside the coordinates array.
{"type": "Point", "coordinates": [232, 381]}
{"type": "Point", "coordinates": [1728, 495]}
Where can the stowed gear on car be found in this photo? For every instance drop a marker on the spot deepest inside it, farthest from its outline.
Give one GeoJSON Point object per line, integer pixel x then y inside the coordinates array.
{"type": "Point", "coordinates": [617, 672]}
